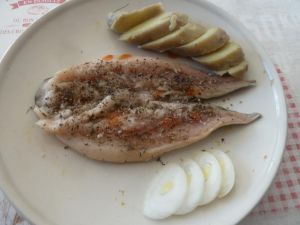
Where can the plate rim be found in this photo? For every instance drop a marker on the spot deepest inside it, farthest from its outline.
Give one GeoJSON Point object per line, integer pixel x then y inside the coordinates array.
{"type": "Point", "coordinates": [33, 217]}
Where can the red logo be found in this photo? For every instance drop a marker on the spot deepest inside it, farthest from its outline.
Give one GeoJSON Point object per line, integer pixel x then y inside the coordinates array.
{"type": "Point", "coordinates": [37, 9]}
{"type": "Point", "coordinates": [30, 2]}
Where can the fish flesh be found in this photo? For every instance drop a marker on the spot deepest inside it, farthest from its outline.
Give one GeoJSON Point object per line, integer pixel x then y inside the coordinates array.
{"type": "Point", "coordinates": [134, 109]}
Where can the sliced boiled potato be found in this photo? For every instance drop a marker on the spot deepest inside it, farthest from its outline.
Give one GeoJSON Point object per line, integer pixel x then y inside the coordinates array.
{"type": "Point", "coordinates": [237, 70]}
{"type": "Point", "coordinates": [183, 35]}
{"type": "Point", "coordinates": [210, 41]}
{"type": "Point", "coordinates": [154, 28]}
{"type": "Point", "coordinates": [228, 56]}
{"type": "Point", "coordinates": [123, 21]}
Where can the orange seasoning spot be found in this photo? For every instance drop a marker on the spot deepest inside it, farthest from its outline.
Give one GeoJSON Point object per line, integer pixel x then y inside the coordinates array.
{"type": "Point", "coordinates": [124, 56]}
{"type": "Point", "coordinates": [195, 116]}
{"type": "Point", "coordinates": [191, 91]}
{"type": "Point", "coordinates": [108, 58]}
{"type": "Point", "coordinates": [114, 119]}
{"type": "Point", "coordinates": [172, 55]}
{"type": "Point", "coordinates": [169, 122]}
{"type": "Point", "coordinates": [158, 93]}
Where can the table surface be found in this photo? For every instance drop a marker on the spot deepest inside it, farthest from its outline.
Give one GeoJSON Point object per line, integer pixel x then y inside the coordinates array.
{"type": "Point", "coordinates": [275, 23]}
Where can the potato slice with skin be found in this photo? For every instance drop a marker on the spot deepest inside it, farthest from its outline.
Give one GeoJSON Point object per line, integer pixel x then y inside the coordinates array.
{"type": "Point", "coordinates": [211, 40]}
{"type": "Point", "coordinates": [235, 71]}
{"type": "Point", "coordinates": [228, 56]}
{"type": "Point", "coordinates": [123, 21]}
{"type": "Point", "coordinates": [183, 35]}
{"type": "Point", "coordinates": [154, 28]}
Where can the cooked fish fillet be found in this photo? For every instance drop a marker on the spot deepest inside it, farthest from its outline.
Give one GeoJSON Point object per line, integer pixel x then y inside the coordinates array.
{"type": "Point", "coordinates": [135, 109]}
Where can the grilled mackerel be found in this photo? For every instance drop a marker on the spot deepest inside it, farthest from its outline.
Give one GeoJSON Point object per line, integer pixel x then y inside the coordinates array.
{"type": "Point", "coordinates": [134, 109]}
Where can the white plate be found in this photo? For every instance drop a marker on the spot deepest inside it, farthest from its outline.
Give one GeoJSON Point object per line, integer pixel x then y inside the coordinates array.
{"type": "Point", "coordinates": [51, 185]}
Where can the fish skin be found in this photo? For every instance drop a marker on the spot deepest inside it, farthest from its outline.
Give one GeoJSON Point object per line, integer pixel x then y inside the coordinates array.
{"type": "Point", "coordinates": [111, 111]}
